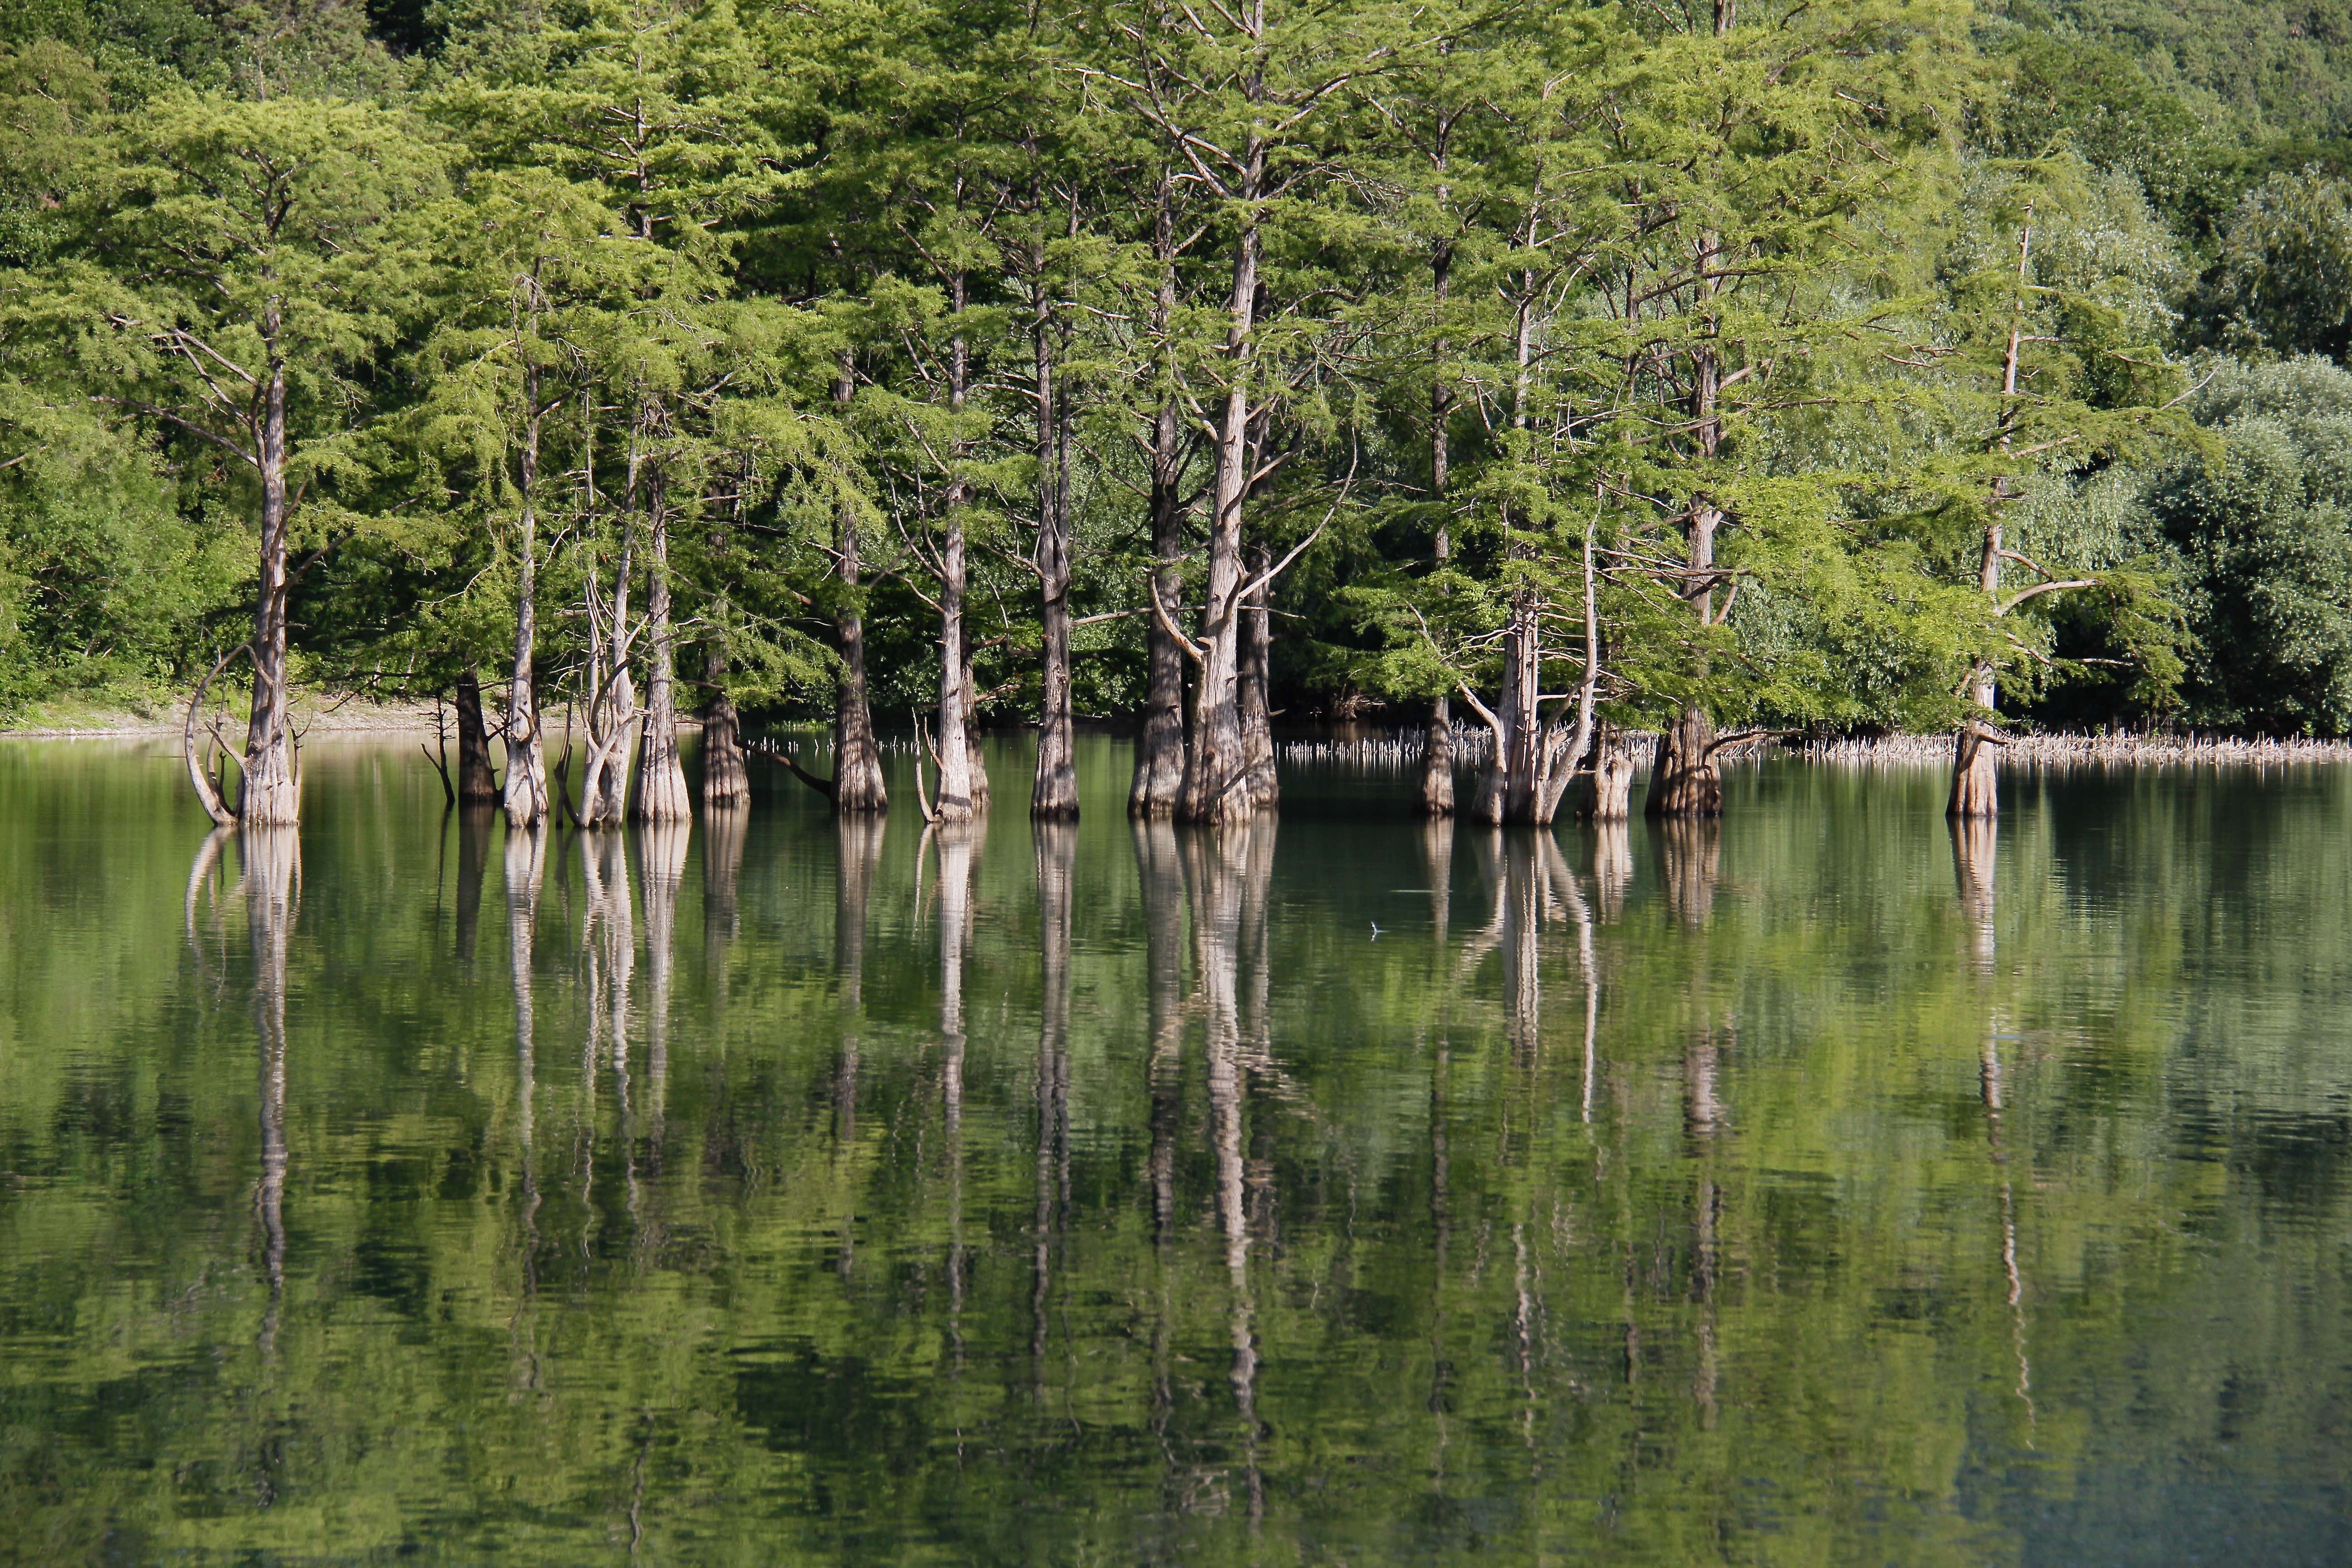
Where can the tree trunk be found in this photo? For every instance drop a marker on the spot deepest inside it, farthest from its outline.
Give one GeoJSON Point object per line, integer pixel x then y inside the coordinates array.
{"type": "Point", "coordinates": [1613, 779]}
{"type": "Point", "coordinates": [526, 785]}
{"type": "Point", "coordinates": [272, 791]}
{"type": "Point", "coordinates": [1053, 794]}
{"type": "Point", "coordinates": [661, 778]}
{"type": "Point", "coordinates": [1255, 712]}
{"type": "Point", "coordinates": [955, 803]}
{"type": "Point", "coordinates": [1436, 793]}
{"type": "Point", "coordinates": [1216, 771]}
{"type": "Point", "coordinates": [476, 784]}
{"type": "Point", "coordinates": [856, 759]}
{"type": "Point", "coordinates": [725, 782]}
{"type": "Point", "coordinates": [1159, 744]}
{"type": "Point", "coordinates": [976, 772]}
{"type": "Point", "coordinates": [1685, 781]}
{"type": "Point", "coordinates": [1976, 785]}
{"type": "Point", "coordinates": [1510, 790]}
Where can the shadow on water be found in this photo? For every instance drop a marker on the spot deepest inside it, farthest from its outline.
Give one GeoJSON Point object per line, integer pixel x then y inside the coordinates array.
{"type": "Point", "coordinates": [1825, 1184]}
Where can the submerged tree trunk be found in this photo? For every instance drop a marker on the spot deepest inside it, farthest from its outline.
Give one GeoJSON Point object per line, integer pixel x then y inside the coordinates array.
{"type": "Point", "coordinates": [1976, 785]}
{"type": "Point", "coordinates": [1436, 796]}
{"type": "Point", "coordinates": [1216, 772]}
{"type": "Point", "coordinates": [1252, 704]}
{"type": "Point", "coordinates": [272, 791]}
{"type": "Point", "coordinates": [1159, 744]}
{"type": "Point", "coordinates": [526, 785]}
{"type": "Point", "coordinates": [1534, 761]}
{"type": "Point", "coordinates": [1054, 793]}
{"type": "Point", "coordinates": [725, 781]}
{"type": "Point", "coordinates": [1685, 781]}
{"type": "Point", "coordinates": [1613, 779]}
{"type": "Point", "coordinates": [661, 778]}
{"type": "Point", "coordinates": [476, 784]}
{"type": "Point", "coordinates": [856, 759]}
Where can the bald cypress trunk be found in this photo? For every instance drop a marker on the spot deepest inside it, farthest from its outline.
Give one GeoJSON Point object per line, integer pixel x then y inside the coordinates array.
{"type": "Point", "coordinates": [1252, 696]}
{"type": "Point", "coordinates": [1054, 792]}
{"type": "Point", "coordinates": [272, 792]}
{"type": "Point", "coordinates": [661, 778]}
{"type": "Point", "coordinates": [1216, 771]}
{"type": "Point", "coordinates": [1159, 744]}
{"type": "Point", "coordinates": [856, 758]}
{"type": "Point", "coordinates": [476, 784]}
{"type": "Point", "coordinates": [725, 781]}
{"type": "Point", "coordinates": [955, 803]}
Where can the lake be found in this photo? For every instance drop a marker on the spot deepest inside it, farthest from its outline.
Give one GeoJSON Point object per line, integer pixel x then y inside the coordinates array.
{"type": "Point", "coordinates": [1807, 1188]}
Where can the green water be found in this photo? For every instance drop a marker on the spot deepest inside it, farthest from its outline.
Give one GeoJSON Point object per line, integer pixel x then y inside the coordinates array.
{"type": "Point", "coordinates": [1808, 1190]}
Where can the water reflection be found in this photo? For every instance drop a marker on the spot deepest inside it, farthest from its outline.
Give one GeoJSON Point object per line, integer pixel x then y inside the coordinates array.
{"type": "Point", "coordinates": [1975, 840]}
{"type": "Point", "coordinates": [1690, 854]}
{"type": "Point", "coordinates": [1112, 1191]}
{"type": "Point", "coordinates": [526, 873]}
{"type": "Point", "coordinates": [271, 862]}
{"type": "Point", "coordinates": [474, 825]}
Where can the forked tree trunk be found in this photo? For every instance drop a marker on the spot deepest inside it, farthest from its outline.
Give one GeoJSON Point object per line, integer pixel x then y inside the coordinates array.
{"type": "Point", "coordinates": [661, 778]}
{"type": "Point", "coordinates": [1976, 784]}
{"type": "Point", "coordinates": [1159, 744]}
{"type": "Point", "coordinates": [726, 783]}
{"type": "Point", "coordinates": [476, 784]}
{"type": "Point", "coordinates": [1251, 696]}
{"type": "Point", "coordinates": [1685, 781]}
{"type": "Point", "coordinates": [1216, 772]}
{"type": "Point", "coordinates": [856, 758]}
{"type": "Point", "coordinates": [271, 793]}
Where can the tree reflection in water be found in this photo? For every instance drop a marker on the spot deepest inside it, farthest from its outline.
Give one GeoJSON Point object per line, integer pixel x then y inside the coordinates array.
{"type": "Point", "coordinates": [1120, 1198]}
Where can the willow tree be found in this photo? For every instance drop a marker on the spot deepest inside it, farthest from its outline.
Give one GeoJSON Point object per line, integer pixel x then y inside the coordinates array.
{"type": "Point", "coordinates": [240, 264]}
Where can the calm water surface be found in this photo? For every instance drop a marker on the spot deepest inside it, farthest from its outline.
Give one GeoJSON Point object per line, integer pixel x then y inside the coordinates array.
{"type": "Point", "coordinates": [1810, 1189]}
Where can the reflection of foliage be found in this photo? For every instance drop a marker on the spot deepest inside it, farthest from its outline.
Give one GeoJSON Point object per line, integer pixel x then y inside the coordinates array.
{"type": "Point", "coordinates": [1755, 1307]}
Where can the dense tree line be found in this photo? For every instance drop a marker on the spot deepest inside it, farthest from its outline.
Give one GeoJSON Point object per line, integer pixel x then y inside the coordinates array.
{"type": "Point", "coordinates": [1573, 372]}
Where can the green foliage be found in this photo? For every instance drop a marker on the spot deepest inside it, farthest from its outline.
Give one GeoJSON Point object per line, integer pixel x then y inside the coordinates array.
{"type": "Point", "coordinates": [2261, 535]}
{"type": "Point", "coordinates": [1634, 269]}
{"type": "Point", "coordinates": [2283, 280]}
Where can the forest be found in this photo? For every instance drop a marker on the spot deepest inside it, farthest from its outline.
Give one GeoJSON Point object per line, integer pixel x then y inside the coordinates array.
{"type": "Point", "coordinates": [1527, 378]}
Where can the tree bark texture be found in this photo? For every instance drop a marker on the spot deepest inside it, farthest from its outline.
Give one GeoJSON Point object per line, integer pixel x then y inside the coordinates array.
{"type": "Point", "coordinates": [1613, 779]}
{"type": "Point", "coordinates": [526, 784]}
{"type": "Point", "coordinates": [1252, 701]}
{"type": "Point", "coordinates": [1436, 795]}
{"type": "Point", "coordinates": [476, 784]}
{"type": "Point", "coordinates": [1685, 781]}
{"type": "Point", "coordinates": [1054, 792]}
{"type": "Point", "coordinates": [726, 783]}
{"type": "Point", "coordinates": [1159, 744]}
{"type": "Point", "coordinates": [955, 802]}
{"type": "Point", "coordinates": [271, 793]}
{"type": "Point", "coordinates": [662, 793]}
{"type": "Point", "coordinates": [1216, 772]}
{"type": "Point", "coordinates": [856, 759]}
